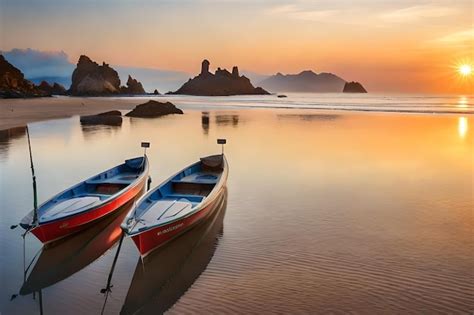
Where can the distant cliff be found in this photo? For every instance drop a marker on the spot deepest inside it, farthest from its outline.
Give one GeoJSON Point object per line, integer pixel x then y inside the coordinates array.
{"type": "Point", "coordinates": [13, 83]}
{"type": "Point", "coordinates": [222, 83]}
{"type": "Point", "coordinates": [54, 89]}
{"type": "Point", "coordinates": [354, 87]}
{"type": "Point", "coordinates": [306, 81]}
{"type": "Point", "coordinates": [92, 79]}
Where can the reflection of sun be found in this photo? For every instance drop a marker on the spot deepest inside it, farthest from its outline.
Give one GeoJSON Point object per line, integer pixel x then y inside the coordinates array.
{"type": "Point", "coordinates": [462, 102]}
{"type": "Point", "coordinates": [462, 126]}
{"type": "Point", "coordinates": [465, 70]}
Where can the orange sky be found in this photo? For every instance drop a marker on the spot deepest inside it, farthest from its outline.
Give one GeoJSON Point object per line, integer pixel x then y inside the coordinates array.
{"type": "Point", "coordinates": [404, 46]}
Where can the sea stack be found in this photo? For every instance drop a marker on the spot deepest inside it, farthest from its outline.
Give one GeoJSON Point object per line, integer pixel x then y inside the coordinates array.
{"type": "Point", "coordinates": [221, 83]}
{"type": "Point", "coordinates": [13, 83]}
{"type": "Point", "coordinates": [55, 89]}
{"type": "Point", "coordinates": [91, 79]}
{"type": "Point", "coordinates": [353, 87]}
{"type": "Point", "coordinates": [133, 87]}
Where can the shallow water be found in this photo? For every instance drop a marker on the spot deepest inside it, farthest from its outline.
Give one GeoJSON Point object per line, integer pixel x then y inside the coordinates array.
{"type": "Point", "coordinates": [402, 103]}
{"type": "Point", "coordinates": [326, 211]}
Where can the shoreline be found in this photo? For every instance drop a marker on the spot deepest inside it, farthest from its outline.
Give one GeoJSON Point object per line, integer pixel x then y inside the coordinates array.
{"type": "Point", "coordinates": [20, 112]}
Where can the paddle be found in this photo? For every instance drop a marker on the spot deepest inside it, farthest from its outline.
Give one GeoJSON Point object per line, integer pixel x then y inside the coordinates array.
{"type": "Point", "coordinates": [35, 194]}
{"type": "Point", "coordinates": [108, 287]}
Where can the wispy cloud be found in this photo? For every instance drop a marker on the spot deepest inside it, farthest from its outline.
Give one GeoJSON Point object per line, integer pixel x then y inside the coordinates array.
{"type": "Point", "coordinates": [418, 12]}
{"type": "Point", "coordinates": [301, 13]}
{"type": "Point", "coordinates": [460, 37]}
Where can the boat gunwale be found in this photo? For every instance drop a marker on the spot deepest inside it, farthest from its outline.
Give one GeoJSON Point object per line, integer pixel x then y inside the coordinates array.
{"type": "Point", "coordinates": [103, 203]}
{"type": "Point", "coordinates": [221, 200]}
{"type": "Point", "coordinates": [206, 200]}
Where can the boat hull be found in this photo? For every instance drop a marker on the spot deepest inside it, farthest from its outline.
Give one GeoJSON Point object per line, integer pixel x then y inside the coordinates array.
{"type": "Point", "coordinates": [154, 238]}
{"type": "Point", "coordinates": [52, 231]}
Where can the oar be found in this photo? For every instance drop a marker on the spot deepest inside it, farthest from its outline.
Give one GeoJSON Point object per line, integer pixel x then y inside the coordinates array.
{"type": "Point", "coordinates": [35, 193]}
{"type": "Point", "coordinates": [108, 287]}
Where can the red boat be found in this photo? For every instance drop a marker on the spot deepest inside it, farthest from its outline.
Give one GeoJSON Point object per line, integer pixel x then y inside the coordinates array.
{"type": "Point", "coordinates": [83, 204]}
{"type": "Point", "coordinates": [178, 204]}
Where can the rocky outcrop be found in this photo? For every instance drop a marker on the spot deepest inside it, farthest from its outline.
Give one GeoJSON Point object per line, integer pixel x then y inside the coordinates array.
{"type": "Point", "coordinates": [111, 118]}
{"type": "Point", "coordinates": [13, 83]}
{"type": "Point", "coordinates": [305, 81]}
{"type": "Point", "coordinates": [221, 83]}
{"type": "Point", "coordinates": [155, 92]}
{"type": "Point", "coordinates": [55, 89]}
{"type": "Point", "coordinates": [133, 87]}
{"type": "Point", "coordinates": [92, 79]}
{"type": "Point", "coordinates": [154, 109]}
{"type": "Point", "coordinates": [353, 87]}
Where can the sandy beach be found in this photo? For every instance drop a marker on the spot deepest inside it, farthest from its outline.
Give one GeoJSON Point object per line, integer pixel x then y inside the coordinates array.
{"type": "Point", "coordinates": [344, 211]}
{"type": "Point", "coordinates": [19, 112]}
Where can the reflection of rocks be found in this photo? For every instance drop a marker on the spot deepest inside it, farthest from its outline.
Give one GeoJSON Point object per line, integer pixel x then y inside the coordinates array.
{"type": "Point", "coordinates": [111, 118]}
{"type": "Point", "coordinates": [353, 87]}
{"type": "Point", "coordinates": [205, 122]}
{"type": "Point", "coordinates": [165, 275]}
{"type": "Point", "coordinates": [7, 135]}
{"type": "Point", "coordinates": [221, 83]}
{"type": "Point", "coordinates": [309, 117]}
{"type": "Point", "coordinates": [154, 109]}
{"type": "Point", "coordinates": [226, 120]}
{"type": "Point", "coordinates": [281, 96]}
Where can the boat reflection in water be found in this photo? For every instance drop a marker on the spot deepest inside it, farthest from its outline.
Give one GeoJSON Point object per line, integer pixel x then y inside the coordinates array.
{"type": "Point", "coordinates": [165, 275]}
{"type": "Point", "coordinates": [65, 257]}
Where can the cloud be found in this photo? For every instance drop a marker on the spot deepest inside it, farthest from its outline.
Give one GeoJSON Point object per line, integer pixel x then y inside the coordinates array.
{"type": "Point", "coordinates": [35, 63]}
{"type": "Point", "coordinates": [418, 12]}
{"type": "Point", "coordinates": [301, 13]}
{"type": "Point", "coordinates": [54, 66]}
{"type": "Point", "coordinates": [460, 37]}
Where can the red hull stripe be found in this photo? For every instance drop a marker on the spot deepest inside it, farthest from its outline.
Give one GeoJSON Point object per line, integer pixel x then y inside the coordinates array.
{"type": "Point", "coordinates": [154, 238]}
{"type": "Point", "coordinates": [49, 232]}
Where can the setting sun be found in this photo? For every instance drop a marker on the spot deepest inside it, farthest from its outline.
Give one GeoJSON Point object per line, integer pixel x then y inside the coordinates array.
{"type": "Point", "coordinates": [465, 70]}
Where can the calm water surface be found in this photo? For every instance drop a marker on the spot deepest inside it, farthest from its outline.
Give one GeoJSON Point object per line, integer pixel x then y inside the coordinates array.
{"type": "Point", "coordinates": [325, 212]}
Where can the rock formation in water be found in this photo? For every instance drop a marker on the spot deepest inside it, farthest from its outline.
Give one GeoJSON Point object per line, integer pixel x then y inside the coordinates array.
{"type": "Point", "coordinates": [133, 87]}
{"type": "Point", "coordinates": [154, 109]}
{"type": "Point", "coordinates": [221, 83]}
{"type": "Point", "coordinates": [55, 89]}
{"type": "Point", "coordinates": [92, 79]}
{"type": "Point", "coordinates": [13, 83]}
{"type": "Point", "coordinates": [354, 87]}
{"type": "Point", "coordinates": [111, 118]}
{"type": "Point", "coordinates": [305, 81]}
{"type": "Point", "coordinates": [155, 92]}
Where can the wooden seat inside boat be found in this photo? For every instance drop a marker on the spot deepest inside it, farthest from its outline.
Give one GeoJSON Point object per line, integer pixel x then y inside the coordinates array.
{"type": "Point", "coordinates": [121, 178]}
{"type": "Point", "coordinates": [66, 207]}
{"type": "Point", "coordinates": [164, 209]}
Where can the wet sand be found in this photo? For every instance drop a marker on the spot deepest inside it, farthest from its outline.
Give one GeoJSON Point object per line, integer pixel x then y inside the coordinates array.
{"type": "Point", "coordinates": [19, 112]}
